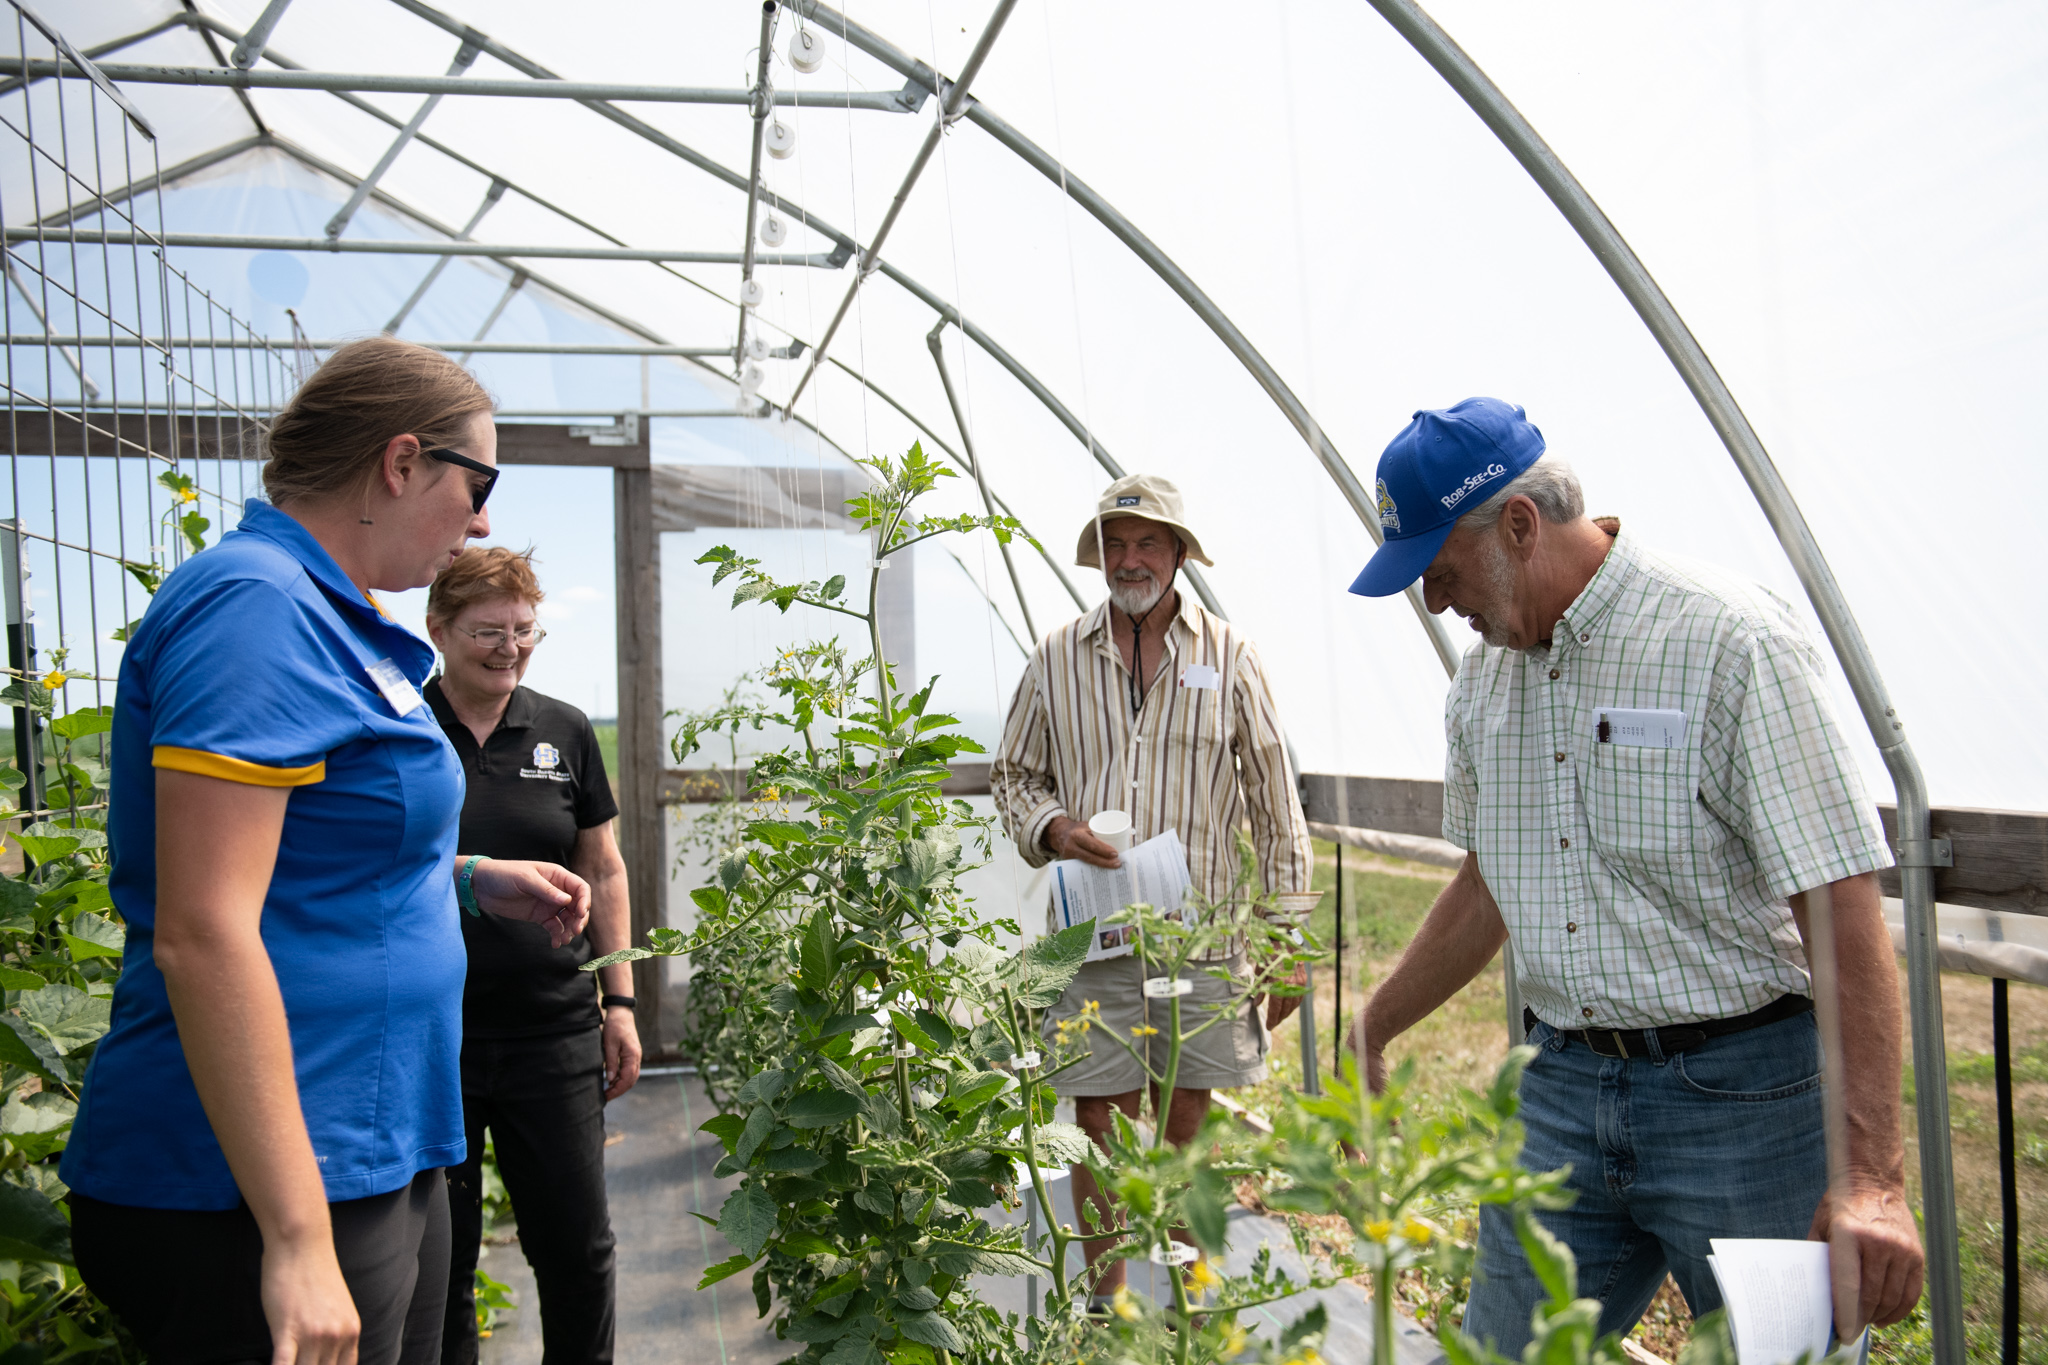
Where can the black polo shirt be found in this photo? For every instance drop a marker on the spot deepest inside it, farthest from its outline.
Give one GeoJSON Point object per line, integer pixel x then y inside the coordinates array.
{"type": "Point", "coordinates": [536, 782]}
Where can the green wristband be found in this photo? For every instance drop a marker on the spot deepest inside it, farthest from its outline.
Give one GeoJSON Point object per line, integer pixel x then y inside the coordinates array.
{"type": "Point", "coordinates": [464, 896]}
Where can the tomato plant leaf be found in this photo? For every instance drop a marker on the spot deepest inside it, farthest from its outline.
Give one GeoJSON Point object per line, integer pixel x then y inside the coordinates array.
{"type": "Point", "coordinates": [31, 1227]}
{"type": "Point", "coordinates": [725, 1270]}
{"type": "Point", "coordinates": [726, 1128]}
{"type": "Point", "coordinates": [818, 953]}
{"type": "Point", "coordinates": [932, 1329]}
{"type": "Point", "coordinates": [820, 1109]}
{"type": "Point", "coordinates": [760, 1123]}
{"type": "Point", "coordinates": [747, 1220]}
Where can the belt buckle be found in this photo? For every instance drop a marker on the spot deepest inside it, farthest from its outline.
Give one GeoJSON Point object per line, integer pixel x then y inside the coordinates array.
{"type": "Point", "coordinates": [1620, 1047]}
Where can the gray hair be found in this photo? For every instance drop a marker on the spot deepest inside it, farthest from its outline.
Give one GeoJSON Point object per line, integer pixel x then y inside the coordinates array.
{"type": "Point", "coordinates": [1549, 483]}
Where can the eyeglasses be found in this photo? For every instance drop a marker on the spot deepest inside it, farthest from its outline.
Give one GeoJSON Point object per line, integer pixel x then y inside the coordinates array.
{"type": "Point", "coordinates": [494, 637]}
{"type": "Point", "coordinates": [477, 496]}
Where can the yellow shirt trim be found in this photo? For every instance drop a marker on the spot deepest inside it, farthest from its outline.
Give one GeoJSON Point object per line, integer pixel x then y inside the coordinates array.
{"type": "Point", "coordinates": [235, 769]}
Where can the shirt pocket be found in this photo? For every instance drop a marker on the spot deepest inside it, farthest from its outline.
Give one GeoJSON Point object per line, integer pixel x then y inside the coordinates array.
{"type": "Point", "coordinates": [1639, 810]}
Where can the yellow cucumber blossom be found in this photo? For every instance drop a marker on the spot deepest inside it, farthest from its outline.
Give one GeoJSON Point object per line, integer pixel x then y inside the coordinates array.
{"type": "Point", "coordinates": [53, 681]}
{"type": "Point", "coordinates": [188, 495]}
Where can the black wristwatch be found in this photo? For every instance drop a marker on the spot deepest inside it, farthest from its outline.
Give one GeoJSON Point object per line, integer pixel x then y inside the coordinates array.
{"type": "Point", "coordinates": [624, 1000]}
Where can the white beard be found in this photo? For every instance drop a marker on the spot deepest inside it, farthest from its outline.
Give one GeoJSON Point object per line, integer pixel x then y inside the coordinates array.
{"type": "Point", "coordinates": [1135, 597]}
{"type": "Point", "coordinates": [1497, 596]}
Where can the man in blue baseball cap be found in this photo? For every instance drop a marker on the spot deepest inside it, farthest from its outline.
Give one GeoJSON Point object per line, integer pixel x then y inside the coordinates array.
{"type": "Point", "coordinates": [1645, 764]}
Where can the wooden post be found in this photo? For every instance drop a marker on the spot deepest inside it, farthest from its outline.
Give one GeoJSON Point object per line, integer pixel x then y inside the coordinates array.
{"type": "Point", "coordinates": [641, 835]}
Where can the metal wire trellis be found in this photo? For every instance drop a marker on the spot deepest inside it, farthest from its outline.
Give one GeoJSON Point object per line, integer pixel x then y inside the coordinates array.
{"type": "Point", "coordinates": [135, 403]}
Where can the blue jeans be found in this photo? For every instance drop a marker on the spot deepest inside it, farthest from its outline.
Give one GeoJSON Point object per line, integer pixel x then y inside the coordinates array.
{"type": "Point", "coordinates": [1723, 1140]}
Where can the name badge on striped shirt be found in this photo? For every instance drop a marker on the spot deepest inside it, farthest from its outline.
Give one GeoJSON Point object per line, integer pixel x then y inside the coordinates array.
{"type": "Point", "coordinates": [1199, 675]}
{"type": "Point", "coordinates": [397, 689]}
{"type": "Point", "coordinates": [1639, 729]}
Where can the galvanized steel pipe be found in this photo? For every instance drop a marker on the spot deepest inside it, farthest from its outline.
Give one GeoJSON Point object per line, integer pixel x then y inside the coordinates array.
{"type": "Point", "coordinates": [1930, 1058]}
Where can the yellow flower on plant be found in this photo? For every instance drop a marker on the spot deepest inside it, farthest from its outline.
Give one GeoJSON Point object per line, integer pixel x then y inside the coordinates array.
{"type": "Point", "coordinates": [53, 681]}
{"type": "Point", "coordinates": [1143, 1031]}
{"type": "Point", "coordinates": [1379, 1231]}
{"type": "Point", "coordinates": [1417, 1232]}
{"type": "Point", "coordinates": [1235, 1342]}
{"type": "Point", "coordinates": [1203, 1277]}
{"type": "Point", "coordinates": [188, 495]}
{"type": "Point", "coordinates": [1125, 1307]}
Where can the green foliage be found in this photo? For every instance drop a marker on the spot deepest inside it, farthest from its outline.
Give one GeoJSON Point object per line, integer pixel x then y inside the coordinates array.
{"type": "Point", "coordinates": [492, 1298]}
{"type": "Point", "coordinates": [882, 1078]}
{"type": "Point", "coordinates": [60, 954]}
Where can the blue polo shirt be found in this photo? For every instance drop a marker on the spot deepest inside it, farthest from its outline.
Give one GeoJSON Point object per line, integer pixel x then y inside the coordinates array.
{"type": "Point", "coordinates": [254, 664]}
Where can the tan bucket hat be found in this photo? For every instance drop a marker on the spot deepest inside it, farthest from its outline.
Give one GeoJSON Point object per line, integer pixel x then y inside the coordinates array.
{"type": "Point", "coordinates": [1137, 495]}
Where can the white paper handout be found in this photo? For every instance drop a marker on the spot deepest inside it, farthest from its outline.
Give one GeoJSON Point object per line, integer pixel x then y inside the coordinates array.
{"type": "Point", "coordinates": [1154, 873]}
{"type": "Point", "coordinates": [1778, 1297]}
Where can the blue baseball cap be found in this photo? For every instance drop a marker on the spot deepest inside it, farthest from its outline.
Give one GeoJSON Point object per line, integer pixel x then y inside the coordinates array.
{"type": "Point", "coordinates": [1443, 464]}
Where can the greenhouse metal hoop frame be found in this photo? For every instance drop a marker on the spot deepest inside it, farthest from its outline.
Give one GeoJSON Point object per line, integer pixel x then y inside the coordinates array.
{"type": "Point", "coordinates": [1917, 854]}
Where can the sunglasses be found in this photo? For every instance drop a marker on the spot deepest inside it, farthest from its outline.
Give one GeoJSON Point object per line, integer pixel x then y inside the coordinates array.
{"type": "Point", "coordinates": [477, 496]}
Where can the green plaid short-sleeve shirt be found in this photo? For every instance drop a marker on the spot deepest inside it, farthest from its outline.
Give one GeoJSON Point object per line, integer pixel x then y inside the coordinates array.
{"type": "Point", "coordinates": [1646, 886]}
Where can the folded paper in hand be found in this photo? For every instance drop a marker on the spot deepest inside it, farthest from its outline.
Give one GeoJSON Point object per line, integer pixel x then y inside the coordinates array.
{"type": "Point", "coordinates": [1154, 873]}
{"type": "Point", "coordinates": [1780, 1303]}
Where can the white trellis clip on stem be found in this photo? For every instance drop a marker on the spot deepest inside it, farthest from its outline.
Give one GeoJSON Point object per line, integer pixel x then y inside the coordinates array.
{"type": "Point", "coordinates": [1167, 987]}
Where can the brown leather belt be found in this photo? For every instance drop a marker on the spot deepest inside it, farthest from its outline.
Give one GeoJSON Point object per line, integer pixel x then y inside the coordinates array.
{"type": "Point", "coordinates": [1674, 1038]}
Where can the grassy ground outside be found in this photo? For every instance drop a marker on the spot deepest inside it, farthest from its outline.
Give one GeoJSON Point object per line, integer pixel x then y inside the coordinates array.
{"type": "Point", "coordinates": [1462, 1044]}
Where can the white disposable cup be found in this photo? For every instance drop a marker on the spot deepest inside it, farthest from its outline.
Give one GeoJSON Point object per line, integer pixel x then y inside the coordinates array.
{"type": "Point", "coordinates": [1113, 827]}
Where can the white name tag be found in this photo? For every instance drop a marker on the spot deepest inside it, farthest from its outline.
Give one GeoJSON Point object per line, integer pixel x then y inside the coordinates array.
{"type": "Point", "coordinates": [1639, 729]}
{"type": "Point", "coordinates": [396, 689]}
{"type": "Point", "coordinates": [1199, 675]}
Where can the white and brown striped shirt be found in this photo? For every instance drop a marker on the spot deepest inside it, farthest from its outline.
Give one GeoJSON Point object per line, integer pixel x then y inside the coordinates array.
{"type": "Point", "coordinates": [1200, 761]}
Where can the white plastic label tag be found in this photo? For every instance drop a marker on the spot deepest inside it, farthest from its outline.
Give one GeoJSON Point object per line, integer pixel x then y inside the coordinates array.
{"type": "Point", "coordinates": [1027, 1061]}
{"type": "Point", "coordinates": [397, 689]}
{"type": "Point", "coordinates": [1173, 1253]}
{"type": "Point", "coordinates": [1639, 729]}
{"type": "Point", "coordinates": [1199, 675]}
{"type": "Point", "coordinates": [1166, 987]}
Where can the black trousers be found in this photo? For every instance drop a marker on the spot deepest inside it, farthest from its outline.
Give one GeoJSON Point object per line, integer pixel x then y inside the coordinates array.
{"type": "Point", "coordinates": [189, 1284]}
{"type": "Point", "coordinates": [543, 1101]}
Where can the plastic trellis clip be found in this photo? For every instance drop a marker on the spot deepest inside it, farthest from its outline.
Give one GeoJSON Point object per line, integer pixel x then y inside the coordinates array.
{"type": "Point", "coordinates": [1027, 1061]}
{"type": "Point", "coordinates": [1173, 1253]}
{"type": "Point", "coordinates": [903, 1050]}
{"type": "Point", "coordinates": [1166, 987]}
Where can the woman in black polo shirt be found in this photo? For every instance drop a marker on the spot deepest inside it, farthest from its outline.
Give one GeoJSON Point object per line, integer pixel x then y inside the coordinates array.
{"type": "Point", "coordinates": [540, 1052]}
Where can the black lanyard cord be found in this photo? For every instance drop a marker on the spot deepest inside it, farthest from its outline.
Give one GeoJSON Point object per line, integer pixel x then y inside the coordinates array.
{"type": "Point", "coordinates": [1138, 653]}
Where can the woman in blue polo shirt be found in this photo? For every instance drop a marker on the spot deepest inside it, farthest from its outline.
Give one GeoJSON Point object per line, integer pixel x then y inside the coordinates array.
{"type": "Point", "coordinates": [255, 1167]}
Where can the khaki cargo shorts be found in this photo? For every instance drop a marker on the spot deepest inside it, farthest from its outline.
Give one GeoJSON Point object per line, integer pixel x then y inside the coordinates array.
{"type": "Point", "coordinates": [1227, 1054]}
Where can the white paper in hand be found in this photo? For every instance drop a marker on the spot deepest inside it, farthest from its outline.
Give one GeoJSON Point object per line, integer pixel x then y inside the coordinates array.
{"type": "Point", "coordinates": [1778, 1296]}
{"type": "Point", "coordinates": [1154, 873]}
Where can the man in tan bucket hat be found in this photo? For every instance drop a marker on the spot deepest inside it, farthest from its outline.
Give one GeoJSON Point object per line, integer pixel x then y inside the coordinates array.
{"type": "Point", "coordinates": [1152, 706]}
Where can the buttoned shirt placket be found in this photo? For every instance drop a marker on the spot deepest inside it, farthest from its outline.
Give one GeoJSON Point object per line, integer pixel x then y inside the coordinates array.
{"type": "Point", "coordinates": [1565, 665]}
{"type": "Point", "coordinates": [1148, 707]}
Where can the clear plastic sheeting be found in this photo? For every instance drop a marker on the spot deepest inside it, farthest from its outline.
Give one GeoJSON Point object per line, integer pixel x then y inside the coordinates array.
{"type": "Point", "coordinates": [1839, 199]}
{"type": "Point", "coordinates": [1982, 942]}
